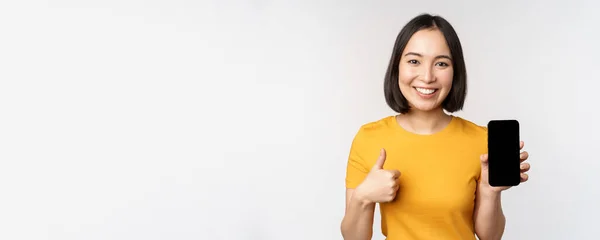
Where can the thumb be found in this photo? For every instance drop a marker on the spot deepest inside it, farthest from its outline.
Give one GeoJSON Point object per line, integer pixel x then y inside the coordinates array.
{"type": "Point", "coordinates": [381, 160]}
{"type": "Point", "coordinates": [484, 160]}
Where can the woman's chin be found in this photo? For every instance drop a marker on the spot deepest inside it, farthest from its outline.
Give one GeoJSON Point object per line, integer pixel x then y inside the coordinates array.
{"type": "Point", "coordinates": [426, 107]}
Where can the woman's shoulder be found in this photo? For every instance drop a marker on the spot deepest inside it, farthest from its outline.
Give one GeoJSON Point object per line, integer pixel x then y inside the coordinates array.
{"type": "Point", "coordinates": [377, 127]}
{"type": "Point", "coordinates": [470, 127]}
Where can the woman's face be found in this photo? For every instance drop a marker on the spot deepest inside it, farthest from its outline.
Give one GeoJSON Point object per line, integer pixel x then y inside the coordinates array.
{"type": "Point", "coordinates": [426, 71]}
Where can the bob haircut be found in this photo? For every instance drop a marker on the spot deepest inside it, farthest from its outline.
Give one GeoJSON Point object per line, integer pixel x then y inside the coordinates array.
{"type": "Point", "coordinates": [456, 97]}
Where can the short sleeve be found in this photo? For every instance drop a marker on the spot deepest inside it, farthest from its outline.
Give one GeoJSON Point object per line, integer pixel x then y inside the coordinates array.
{"type": "Point", "coordinates": [356, 169]}
{"type": "Point", "coordinates": [482, 148]}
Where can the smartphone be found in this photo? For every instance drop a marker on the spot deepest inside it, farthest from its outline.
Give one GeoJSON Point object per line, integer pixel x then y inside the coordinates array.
{"type": "Point", "coordinates": [504, 164]}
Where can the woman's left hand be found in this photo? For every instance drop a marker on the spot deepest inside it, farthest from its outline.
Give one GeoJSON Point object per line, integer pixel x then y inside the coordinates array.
{"type": "Point", "coordinates": [484, 171]}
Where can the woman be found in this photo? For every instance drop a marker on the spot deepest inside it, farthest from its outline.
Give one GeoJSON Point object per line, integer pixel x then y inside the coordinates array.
{"type": "Point", "coordinates": [427, 169]}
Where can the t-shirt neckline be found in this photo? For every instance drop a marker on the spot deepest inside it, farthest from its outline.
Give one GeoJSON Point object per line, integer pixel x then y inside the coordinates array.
{"type": "Point", "coordinates": [448, 128]}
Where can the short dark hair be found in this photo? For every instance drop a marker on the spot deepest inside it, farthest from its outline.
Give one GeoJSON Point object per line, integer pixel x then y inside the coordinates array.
{"type": "Point", "coordinates": [456, 97]}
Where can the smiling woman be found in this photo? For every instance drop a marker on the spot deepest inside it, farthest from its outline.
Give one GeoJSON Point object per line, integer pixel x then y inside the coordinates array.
{"type": "Point", "coordinates": [426, 168]}
{"type": "Point", "coordinates": [429, 53]}
{"type": "Point", "coordinates": [427, 69]}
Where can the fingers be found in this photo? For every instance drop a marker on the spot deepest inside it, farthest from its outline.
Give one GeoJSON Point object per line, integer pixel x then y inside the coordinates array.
{"type": "Point", "coordinates": [395, 196]}
{"type": "Point", "coordinates": [524, 155]}
{"type": "Point", "coordinates": [390, 197]}
{"type": "Point", "coordinates": [393, 193]}
{"type": "Point", "coordinates": [483, 158]}
{"type": "Point", "coordinates": [525, 167]}
{"type": "Point", "coordinates": [521, 145]}
{"type": "Point", "coordinates": [396, 187]}
{"type": "Point", "coordinates": [395, 174]}
{"type": "Point", "coordinates": [524, 177]}
{"type": "Point", "coordinates": [381, 160]}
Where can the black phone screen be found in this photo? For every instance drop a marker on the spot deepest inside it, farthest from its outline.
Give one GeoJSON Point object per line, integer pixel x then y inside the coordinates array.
{"type": "Point", "coordinates": [503, 153]}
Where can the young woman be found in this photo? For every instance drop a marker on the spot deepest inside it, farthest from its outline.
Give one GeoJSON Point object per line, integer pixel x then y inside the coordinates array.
{"type": "Point", "coordinates": [426, 168]}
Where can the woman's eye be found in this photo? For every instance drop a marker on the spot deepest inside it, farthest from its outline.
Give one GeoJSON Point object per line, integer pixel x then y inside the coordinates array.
{"type": "Point", "coordinates": [413, 61]}
{"type": "Point", "coordinates": [442, 64]}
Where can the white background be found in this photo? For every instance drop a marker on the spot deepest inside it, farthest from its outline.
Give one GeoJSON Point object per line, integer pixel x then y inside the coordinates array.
{"type": "Point", "coordinates": [151, 120]}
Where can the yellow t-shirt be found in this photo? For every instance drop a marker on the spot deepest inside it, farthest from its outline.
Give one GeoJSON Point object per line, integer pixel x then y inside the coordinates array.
{"type": "Point", "coordinates": [439, 175]}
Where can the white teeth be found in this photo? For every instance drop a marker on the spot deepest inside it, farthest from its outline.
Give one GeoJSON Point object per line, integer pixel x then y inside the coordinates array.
{"type": "Point", "coordinates": [425, 90]}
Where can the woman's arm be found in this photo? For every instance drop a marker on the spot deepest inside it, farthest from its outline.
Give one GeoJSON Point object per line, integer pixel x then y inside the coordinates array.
{"type": "Point", "coordinates": [488, 215]}
{"type": "Point", "coordinates": [378, 186]}
{"type": "Point", "coordinates": [358, 219]}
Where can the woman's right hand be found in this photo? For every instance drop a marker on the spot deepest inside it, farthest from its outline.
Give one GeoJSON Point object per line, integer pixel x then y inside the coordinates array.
{"type": "Point", "coordinates": [380, 185]}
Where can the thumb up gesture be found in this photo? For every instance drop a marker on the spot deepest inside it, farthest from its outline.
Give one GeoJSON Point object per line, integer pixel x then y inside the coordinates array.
{"type": "Point", "coordinates": [380, 185]}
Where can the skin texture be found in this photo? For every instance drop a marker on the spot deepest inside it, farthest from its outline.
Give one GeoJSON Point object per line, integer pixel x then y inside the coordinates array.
{"type": "Point", "coordinates": [425, 63]}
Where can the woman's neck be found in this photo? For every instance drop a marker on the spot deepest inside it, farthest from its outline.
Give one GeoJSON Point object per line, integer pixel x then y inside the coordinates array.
{"type": "Point", "coordinates": [420, 122]}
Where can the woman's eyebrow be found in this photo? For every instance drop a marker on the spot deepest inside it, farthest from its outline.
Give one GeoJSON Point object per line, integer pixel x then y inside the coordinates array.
{"type": "Point", "coordinates": [413, 53]}
{"type": "Point", "coordinates": [444, 56]}
{"type": "Point", "coordinates": [420, 55]}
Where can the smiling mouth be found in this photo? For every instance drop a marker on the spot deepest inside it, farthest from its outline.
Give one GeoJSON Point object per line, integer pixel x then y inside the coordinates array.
{"type": "Point", "coordinates": [426, 91]}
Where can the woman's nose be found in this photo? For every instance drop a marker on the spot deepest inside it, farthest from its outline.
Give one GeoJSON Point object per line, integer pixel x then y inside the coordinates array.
{"type": "Point", "coordinates": [427, 75]}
